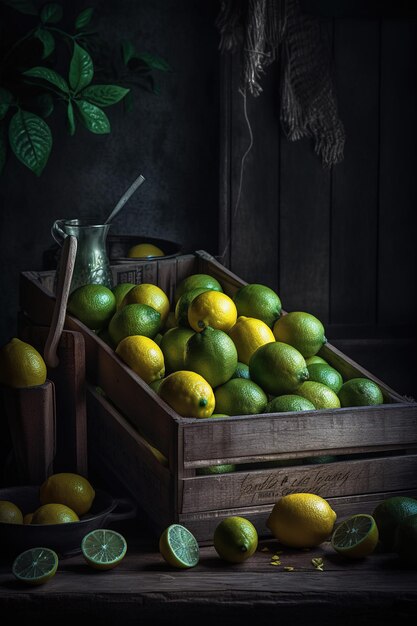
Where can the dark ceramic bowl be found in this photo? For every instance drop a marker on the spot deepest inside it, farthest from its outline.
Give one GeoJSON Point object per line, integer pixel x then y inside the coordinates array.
{"type": "Point", "coordinates": [118, 247]}
{"type": "Point", "coordinates": [65, 539]}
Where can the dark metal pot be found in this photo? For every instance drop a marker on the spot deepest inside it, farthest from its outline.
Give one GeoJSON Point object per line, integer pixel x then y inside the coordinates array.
{"type": "Point", "coordinates": [65, 539]}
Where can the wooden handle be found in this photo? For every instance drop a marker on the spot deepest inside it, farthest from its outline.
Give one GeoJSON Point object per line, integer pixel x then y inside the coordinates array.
{"type": "Point", "coordinates": [69, 252]}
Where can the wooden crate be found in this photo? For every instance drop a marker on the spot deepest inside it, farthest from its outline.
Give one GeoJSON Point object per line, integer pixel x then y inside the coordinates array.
{"type": "Point", "coordinates": [372, 447]}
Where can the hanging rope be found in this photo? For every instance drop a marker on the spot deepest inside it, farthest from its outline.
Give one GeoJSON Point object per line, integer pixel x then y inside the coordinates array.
{"type": "Point", "coordinates": [269, 30]}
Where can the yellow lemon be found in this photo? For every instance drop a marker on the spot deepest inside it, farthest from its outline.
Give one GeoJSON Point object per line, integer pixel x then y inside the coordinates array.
{"type": "Point", "coordinates": [212, 308]}
{"type": "Point", "coordinates": [27, 519]}
{"type": "Point", "coordinates": [235, 539]}
{"type": "Point", "coordinates": [10, 513]}
{"type": "Point", "coordinates": [54, 514]}
{"type": "Point", "coordinates": [188, 393]}
{"type": "Point", "coordinates": [320, 395]}
{"type": "Point", "coordinates": [301, 520]}
{"type": "Point", "coordinates": [248, 335]}
{"type": "Point", "coordinates": [301, 330]}
{"type": "Point", "coordinates": [143, 355]}
{"type": "Point", "coordinates": [93, 305]}
{"type": "Point", "coordinates": [70, 489]}
{"type": "Point", "coordinates": [21, 365]}
{"type": "Point", "coordinates": [144, 250]}
{"type": "Point", "coordinates": [149, 294]}
{"type": "Point", "coordinates": [181, 308]}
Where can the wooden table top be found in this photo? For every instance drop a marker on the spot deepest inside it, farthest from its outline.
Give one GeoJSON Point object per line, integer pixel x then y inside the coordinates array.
{"type": "Point", "coordinates": [144, 589]}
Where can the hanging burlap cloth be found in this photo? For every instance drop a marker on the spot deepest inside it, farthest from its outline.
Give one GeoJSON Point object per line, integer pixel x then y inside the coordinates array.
{"type": "Point", "coordinates": [267, 30]}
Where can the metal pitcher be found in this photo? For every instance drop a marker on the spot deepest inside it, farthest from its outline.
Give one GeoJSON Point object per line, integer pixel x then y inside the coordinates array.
{"type": "Point", "coordinates": [91, 264]}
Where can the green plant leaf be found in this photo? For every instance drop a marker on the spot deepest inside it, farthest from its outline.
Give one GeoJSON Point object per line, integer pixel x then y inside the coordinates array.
{"type": "Point", "coordinates": [6, 99]}
{"type": "Point", "coordinates": [3, 149]}
{"type": "Point", "coordinates": [81, 69]}
{"type": "Point", "coordinates": [156, 63]}
{"type": "Point", "coordinates": [93, 118]}
{"type": "Point", "coordinates": [49, 75]}
{"type": "Point", "coordinates": [71, 118]}
{"type": "Point", "coordinates": [51, 13]}
{"type": "Point", "coordinates": [84, 18]}
{"type": "Point", "coordinates": [128, 102]}
{"type": "Point", "coordinates": [128, 51]}
{"type": "Point", "coordinates": [23, 6]}
{"type": "Point", "coordinates": [104, 95]}
{"type": "Point", "coordinates": [30, 139]}
{"type": "Point", "coordinates": [47, 40]}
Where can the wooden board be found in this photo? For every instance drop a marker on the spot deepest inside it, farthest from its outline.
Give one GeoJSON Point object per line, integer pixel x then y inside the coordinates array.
{"type": "Point", "coordinates": [69, 380]}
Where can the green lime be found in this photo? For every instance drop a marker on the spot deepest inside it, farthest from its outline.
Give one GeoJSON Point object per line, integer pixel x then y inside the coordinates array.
{"type": "Point", "coordinates": [134, 319]}
{"type": "Point", "coordinates": [181, 308]}
{"type": "Point", "coordinates": [325, 374]}
{"type": "Point", "coordinates": [216, 469]}
{"type": "Point", "coordinates": [356, 537]}
{"type": "Point", "coordinates": [406, 540]}
{"type": "Point", "coordinates": [35, 566]}
{"type": "Point", "coordinates": [103, 549]}
{"type": "Point", "coordinates": [93, 305]}
{"type": "Point", "coordinates": [389, 513]}
{"type": "Point", "coordinates": [258, 301]}
{"type": "Point", "coordinates": [360, 392]}
{"type": "Point", "coordinates": [235, 539]}
{"type": "Point", "coordinates": [241, 371]}
{"type": "Point", "coordinates": [240, 397]}
{"type": "Point", "coordinates": [289, 402]}
{"type": "Point", "coordinates": [301, 330]}
{"type": "Point", "coordinates": [315, 359]}
{"type": "Point", "coordinates": [179, 547]}
{"type": "Point", "coordinates": [278, 368]}
{"type": "Point", "coordinates": [212, 354]}
{"type": "Point", "coordinates": [196, 281]}
{"type": "Point", "coordinates": [120, 291]}
{"type": "Point", "coordinates": [320, 395]}
{"type": "Point", "coordinates": [173, 345]}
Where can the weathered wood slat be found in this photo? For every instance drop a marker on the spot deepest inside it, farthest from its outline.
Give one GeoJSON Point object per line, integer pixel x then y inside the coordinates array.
{"type": "Point", "coordinates": [126, 455]}
{"type": "Point", "coordinates": [356, 428]}
{"type": "Point", "coordinates": [355, 180]}
{"type": "Point", "coordinates": [329, 480]}
{"type": "Point", "coordinates": [397, 252]}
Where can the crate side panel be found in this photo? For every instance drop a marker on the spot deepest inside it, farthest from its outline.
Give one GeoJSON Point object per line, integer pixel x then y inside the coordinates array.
{"type": "Point", "coordinates": [359, 429]}
{"type": "Point", "coordinates": [116, 447]}
{"type": "Point", "coordinates": [329, 480]}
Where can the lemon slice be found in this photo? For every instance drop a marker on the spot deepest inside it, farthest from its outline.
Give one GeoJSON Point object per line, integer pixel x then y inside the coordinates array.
{"type": "Point", "coordinates": [103, 549]}
{"type": "Point", "coordinates": [356, 537]}
{"type": "Point", "coordinates": [179, 547]}
{"type": "Point", "coordinates": [35, 566]}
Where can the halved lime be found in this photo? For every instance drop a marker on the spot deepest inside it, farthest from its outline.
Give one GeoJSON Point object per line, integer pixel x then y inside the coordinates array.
{"type": "Point", "coordinates": [356, 537]}
{"type": "Point", "coordinates": [179, 547]}
{"type": "Point", "coordinates": [35, 566]}
{"type": "Point", "coordinates": [103, 549]}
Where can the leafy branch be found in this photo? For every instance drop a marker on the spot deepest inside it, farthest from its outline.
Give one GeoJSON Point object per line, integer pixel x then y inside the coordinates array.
{"type": "Point", "coordinates": [28, 92]}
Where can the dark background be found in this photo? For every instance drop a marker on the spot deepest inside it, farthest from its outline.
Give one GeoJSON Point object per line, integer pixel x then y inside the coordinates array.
{"type": "Point", "coordinates": [339, 244]}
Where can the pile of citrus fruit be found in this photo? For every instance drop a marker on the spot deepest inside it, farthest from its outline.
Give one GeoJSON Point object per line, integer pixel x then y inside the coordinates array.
{"type": "Point", "coordinates": [207, 353]}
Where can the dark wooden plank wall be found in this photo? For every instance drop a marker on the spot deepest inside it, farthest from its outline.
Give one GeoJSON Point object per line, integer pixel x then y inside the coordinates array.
{"type": "Point", "coordinates": [341, 243]}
